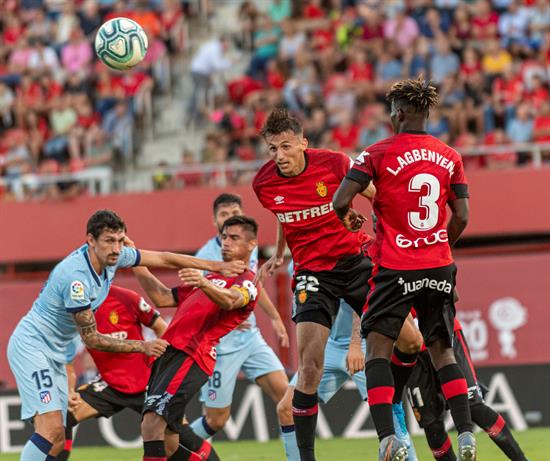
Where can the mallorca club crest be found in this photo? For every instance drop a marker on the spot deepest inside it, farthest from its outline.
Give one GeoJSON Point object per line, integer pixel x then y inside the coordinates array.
{"type": "Point", "coordinates": [302, 296]}
{"type": "Point", "coordinates": [322, 189]}
{"type": "Point", "coordinates": [113, 317]}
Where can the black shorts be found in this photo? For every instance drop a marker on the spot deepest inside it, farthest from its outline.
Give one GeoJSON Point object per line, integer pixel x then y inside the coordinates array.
{"type": "Point", "coordinates": [317, 295]}
{"type": "Point", "coordinates": [424, 390]}
{"type": "Point", "coordinates": [175, 379]}
{"type": "Point", "coordinates": [108, 401]}
{"type": "Point", "coordinates": [393, 294]}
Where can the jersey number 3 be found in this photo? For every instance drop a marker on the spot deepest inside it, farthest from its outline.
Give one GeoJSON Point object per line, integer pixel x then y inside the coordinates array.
{"type": "Point", "coordinates": [427, 202]}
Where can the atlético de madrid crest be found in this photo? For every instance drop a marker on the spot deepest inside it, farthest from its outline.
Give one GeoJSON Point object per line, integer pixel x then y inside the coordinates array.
{"type": "Point", "coordinates": [322, 189]}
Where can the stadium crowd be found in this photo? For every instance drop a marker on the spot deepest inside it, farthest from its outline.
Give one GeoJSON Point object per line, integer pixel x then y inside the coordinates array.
{"type": "Point", "coordinates": [61, 111]}
{"type": "Point", "coordinates": [329, 61]}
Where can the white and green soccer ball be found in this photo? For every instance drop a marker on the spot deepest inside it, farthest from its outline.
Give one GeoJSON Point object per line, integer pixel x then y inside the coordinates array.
{"type": "Point", "coordinates": [121, 43]}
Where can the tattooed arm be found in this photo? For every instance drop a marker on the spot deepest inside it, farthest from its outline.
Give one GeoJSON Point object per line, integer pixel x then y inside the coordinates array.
{"type": "Point", "coordinates": [85, 322]}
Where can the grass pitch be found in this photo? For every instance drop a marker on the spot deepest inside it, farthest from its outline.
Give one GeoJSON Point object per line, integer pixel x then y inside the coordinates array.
{"type": "Point", "coordinates": [535, 443]}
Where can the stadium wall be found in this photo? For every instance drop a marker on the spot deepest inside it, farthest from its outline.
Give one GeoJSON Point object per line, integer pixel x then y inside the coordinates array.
{"type": "Point", "coordinates": [512, 202]}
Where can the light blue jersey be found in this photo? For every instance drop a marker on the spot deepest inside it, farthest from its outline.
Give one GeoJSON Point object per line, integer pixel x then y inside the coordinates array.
{"type": "Point", "coordinates": [236, 339]}
{"type": "Point", "coordinates": [44, 340]}
{"type": "Point", "coordinates": [72, 286]}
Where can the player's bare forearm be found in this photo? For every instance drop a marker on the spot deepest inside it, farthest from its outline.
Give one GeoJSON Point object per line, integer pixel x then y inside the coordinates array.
{"type": "Point", "coordinates": [280, 246]}
{"type": "Point", "coordinates": [344, 195]}
{"type": "Point", "coordinates": [159, 326]}
{"type": "Point", "coordinates": [85, 322]}
{"type": "Point", "coordinates": [226, 299]}
{"type": "Point", "coordinates": [159, 293]}
{"type": "Point", "coordinates": [355, 331]}
{"type": "Point", "coordinates": [265, 303]}
{"type": "Point", "coordinates": [168, 260]}
{"type": "Point", "coordinates": [459, 219]}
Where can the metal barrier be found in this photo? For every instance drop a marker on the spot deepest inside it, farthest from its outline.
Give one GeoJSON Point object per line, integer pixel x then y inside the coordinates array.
{"type": "Point", "coordinates": [102, 180]}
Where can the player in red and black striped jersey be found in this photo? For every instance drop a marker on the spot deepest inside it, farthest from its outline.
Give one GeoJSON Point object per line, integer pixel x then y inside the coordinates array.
{"type": "Point", "coordinates": [330, 263]}
{"type": "Point", "coordinates": [209, 307]}
{"type": "Point", "coordinates": [416, 176]}
{"type": "Point", "coordinates": [428, 404]}
{"type": "Point", "coordinates": [122, 378]}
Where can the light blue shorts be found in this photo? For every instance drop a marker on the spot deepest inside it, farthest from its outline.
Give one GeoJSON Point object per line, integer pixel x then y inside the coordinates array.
{"type": "Point", "coordinates": [256, 359]}
{"type": "Point", "coordinates": [41, 382]}
{"type": "Point", "coordinates": [335, 374]}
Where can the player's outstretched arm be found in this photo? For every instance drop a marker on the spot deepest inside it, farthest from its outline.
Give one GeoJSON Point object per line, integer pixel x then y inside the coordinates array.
{"type": "Point", "coordinates": [459, 219]}
{"type": "Point", "coordinates": [159, 293]}
{"type": "Point", "coordinates": [226, 298]}
{"type": "Point", "coordinates": [264, 301]}
{"type": "Point", "coordinates": [167, 260]}
{"type": "Point", "coordinates": [85, 321]}
{"type": "Point", "coordinates": [273, 263]}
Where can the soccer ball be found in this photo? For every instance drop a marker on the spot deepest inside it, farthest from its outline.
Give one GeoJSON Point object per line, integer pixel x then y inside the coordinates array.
{"type": "Point", "coordinates": [121, 43]}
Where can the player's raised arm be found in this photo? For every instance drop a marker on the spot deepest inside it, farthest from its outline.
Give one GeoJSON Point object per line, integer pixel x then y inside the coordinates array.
{"type": "Point", "coordinates": [459, 219]}
{"type": "Point", "coordinates": [167, 260]}
{"type": "Point", "coordinates": [87, 328]}
{"type": "Point", "coordinates": [159, 293]}
{"type": "Point", "coordinates": [235, 297]}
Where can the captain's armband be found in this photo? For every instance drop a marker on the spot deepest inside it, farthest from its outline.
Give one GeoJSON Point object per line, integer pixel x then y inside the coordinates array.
{"type": "Point", "coordinates": [244, 292]}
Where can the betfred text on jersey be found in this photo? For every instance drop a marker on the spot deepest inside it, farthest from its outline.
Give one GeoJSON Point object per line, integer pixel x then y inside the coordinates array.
{"type": "Point", "coordinates": [436, 237]}
{"type": "Point", "coordinates": [416, 285]}
{"type": "Point", "coordinates": [308, 213]}
{"type": "Point", "coordinates": [417, 155]}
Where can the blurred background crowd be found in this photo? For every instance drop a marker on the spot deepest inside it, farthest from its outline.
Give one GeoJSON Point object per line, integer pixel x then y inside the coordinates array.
{"type": "Point", "coordinates": [223, 65]}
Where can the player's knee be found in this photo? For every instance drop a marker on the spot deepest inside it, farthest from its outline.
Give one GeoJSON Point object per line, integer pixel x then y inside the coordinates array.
{"type": "Point", "coordinates": [309, 375]}
{"type": "Point", "coordinates": [411, 345]}
{"type": "Point", "coordinates": [152, 427]}
{"type": "Point", "coordinates": [55, 433]}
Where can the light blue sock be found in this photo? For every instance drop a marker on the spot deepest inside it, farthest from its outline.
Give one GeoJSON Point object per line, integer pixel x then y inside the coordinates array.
{"type": "Point", "coordinates": [202, 429]}
{"type": "Point", "coordinates": [36, 449]}
{"type": "Point", "coordinates": [288, 434]}
{"type": "Point", "coordinates": [401, 429]}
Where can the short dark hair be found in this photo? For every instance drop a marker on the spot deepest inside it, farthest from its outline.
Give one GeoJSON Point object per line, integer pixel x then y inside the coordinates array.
{"type": "Point", "coordinates": [279, 121]}
{"type": "Point", "coordinates": [226, 199]}
{"type": "Point", "coordinates": [416, 95]}
{"type": "Point", "coordinates": [246, 222]}
{"type": "Point", "coordinates": [102, 220]}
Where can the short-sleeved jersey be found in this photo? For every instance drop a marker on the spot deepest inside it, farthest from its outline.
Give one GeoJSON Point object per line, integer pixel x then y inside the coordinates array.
{"type": "Point", "coordinates": [199, 323]}
{"type": "Point", "coordinates": [72, 286]}
{"type": "Point", "coordinates": [122, 315]}
{"type": "Point", "coordinates": [415, 176]}
{"type": "Point", "coordinates": [303, 205]}
{"type": "Point", "coordinates": [236, 339]}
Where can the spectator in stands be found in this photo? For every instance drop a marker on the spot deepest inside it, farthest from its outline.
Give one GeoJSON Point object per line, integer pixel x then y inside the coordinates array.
{"type": "Point", "coordinates": [76, 54]}
{"type": "Point", "coordinates": [513, 25]}
{"type": "Point", "coordinates": [444, 61]}
{"type": "Point", "coordinates": [7, 99]}
{"type": "Point", "coordinates": [208, 60]}
{"type": "Point", "coordinates": [117, 123]}
{"type": "Point", "coordinates": [266, 43]}
{"type": "Point", "coordinates": [519, 129]}
{"type": "Point", "coordinates": [401, 29]}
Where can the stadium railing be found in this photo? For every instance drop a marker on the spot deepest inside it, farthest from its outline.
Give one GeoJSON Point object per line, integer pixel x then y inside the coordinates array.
{"type": "Point", "coordinates": [102, 180]}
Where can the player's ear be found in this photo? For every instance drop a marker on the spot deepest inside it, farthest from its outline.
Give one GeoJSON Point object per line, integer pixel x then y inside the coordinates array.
{"type": "Point", "coordinates": [90, 240]}
{"type": "Point", "coordinates": [305, 143]}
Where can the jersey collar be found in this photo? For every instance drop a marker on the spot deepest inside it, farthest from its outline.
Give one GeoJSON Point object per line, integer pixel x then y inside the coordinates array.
{"type": "Point", "coordinates": [92, 270]}
{"type": "Point", "coordinates": [413, 132]}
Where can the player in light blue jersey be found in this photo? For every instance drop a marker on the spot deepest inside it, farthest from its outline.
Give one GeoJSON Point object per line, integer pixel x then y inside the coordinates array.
{"type": "Point", "coordinates": [244, 348]}
{"type": "Point", "coordinates": [344, 360]}
{"type": "Point", "coordinates": [77, 286]}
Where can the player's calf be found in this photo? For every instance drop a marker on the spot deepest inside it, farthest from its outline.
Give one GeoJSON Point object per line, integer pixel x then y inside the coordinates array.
{"type": "Point", "coordinates": [153, 428]}
{"type": "Point", "coordinates": [439, 441]}
{"type": "Point", "coordinates": [496, 428]}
